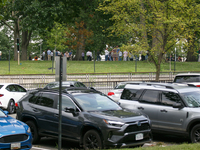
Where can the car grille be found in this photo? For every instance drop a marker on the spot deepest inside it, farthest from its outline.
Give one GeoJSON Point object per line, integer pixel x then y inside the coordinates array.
{"type": "Point", "coordinates": [13, 138]}
{"type": "Point", "coordinates": [135, 127]}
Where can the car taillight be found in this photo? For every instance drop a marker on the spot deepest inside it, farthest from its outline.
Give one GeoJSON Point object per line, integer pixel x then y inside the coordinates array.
{"type": "Point", "coordinates": [111, 93]}
{"type": "Point", "coordinates": [1, 95]}
{"type": "Point", "coordinates": [16, 105]}
{"type": "Point", "coordinates": [197, 85]}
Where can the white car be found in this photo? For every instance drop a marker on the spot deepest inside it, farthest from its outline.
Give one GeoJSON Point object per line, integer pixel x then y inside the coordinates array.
{"type": "Point", "coordinates": [188, 78]}
{"type": "Point", "coordinates": [10, 93]}
{"type": "Point", "coordinates": [115, 94]}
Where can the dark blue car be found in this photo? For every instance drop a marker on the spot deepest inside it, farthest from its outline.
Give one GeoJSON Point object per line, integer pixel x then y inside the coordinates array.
{"type": "Point", "coordinates": [14, 134]}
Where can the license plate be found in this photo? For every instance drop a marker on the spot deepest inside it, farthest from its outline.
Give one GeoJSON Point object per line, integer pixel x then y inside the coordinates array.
{"type": "Point", "coordinates": [139, 136]}
{"type": "Point", "coordinates": [15, 145]}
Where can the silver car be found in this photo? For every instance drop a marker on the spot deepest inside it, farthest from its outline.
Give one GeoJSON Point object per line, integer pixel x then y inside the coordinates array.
{"type": "Point", "coordinates": [172, 108]}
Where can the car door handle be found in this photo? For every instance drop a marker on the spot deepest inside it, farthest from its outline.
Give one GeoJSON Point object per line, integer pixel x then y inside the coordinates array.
{"type": "Point", "coordinates": [163, 111]}
{"type": "Point", "coordinates": [141, 108]}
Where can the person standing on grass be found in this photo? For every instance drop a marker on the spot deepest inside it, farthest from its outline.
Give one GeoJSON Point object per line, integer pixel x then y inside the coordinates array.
{"type": "Point", "coordinates": [49, 54]}
{"type": "Point", "coordinates": [120, 55]}
{"type": "Point", "coordinates": [43, 55]}
{"type": "Point", "coordinates": [98, 55]}
{"type": "Point", "coordinates": [125, 55]}
{"type": "Point", "coordinates": [106, 54]}
{"type": "Point", "coordinates": [83, 55]}
{"type": "Point", "coordinates": [0, 54]}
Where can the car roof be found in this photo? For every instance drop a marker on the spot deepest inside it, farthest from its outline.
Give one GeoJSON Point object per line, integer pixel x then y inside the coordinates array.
{"type": "Point", "coordinates": [179, 87]}
{"type": "Point", "coordinates": [188, 74]}
{"type": "Point", "coordinates": [68, 90]}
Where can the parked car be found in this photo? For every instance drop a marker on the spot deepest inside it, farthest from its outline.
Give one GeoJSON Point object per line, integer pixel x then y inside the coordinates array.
{"type": "Point", "coordinates": [115, 94]}
{"type": "Point", "coordinates": [64, 84]}
{"type": "Point", "coordinates": [88, 117]}
{"type": "Point", "coordinates": [189, 78]}
{"type": "Point", "coordinates": [10, 93]}
{"type": "Point", "coordinates": [14, 134]}
{"type": "Point", "coordinates": [172, 108]}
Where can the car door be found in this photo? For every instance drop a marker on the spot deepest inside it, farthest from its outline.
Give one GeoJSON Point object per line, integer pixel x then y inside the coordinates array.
{"type": "Point", "coordinates": [171, 118]}
{"type": "Point", "coordinates": [149, 105]}
{"type": "Point", "coordinates": [70, 121]}
{"type": "Point", "coordinates": [44, 110]}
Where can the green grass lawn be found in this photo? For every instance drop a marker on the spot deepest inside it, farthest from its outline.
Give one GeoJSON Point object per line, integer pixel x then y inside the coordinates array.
{"type": "Point", "coordinates": [44, 67]}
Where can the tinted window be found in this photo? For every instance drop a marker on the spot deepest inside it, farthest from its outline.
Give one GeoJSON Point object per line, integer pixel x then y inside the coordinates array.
{"type": "Point", "coordinates": [192, 78]}
{"type": "Point", "coordinates": [20, 89]}
{"type": "Point", "coordinates": [130, 94]}
{"type": "Point", "coordinates": [150, 96]}
{"type": "Point", "coordinates": [66, 103]}
{"type": "Point", "coordinates": [47, 99]}
{"type": "Point", "coordinates": [11, 88]}
{"type": "Point", "coordinates": [81, 84]}
{"type": "Point", "coordinates": [1, 86]}
{"type": "Point", "coordinates": [169, 98]}
{"type": "Point", "coordinates": [34, 99]}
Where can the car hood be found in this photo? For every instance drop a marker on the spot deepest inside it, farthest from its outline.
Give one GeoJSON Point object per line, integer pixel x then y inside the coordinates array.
{"type": "Point", "coordinates": [118, 115]}
{"type": "Point", "coordinates": [9, 125]}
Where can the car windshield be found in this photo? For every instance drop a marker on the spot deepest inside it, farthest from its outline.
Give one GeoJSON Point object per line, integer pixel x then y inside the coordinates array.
{"type": "Point", "coordinates": [2, 114]}
{"type": "Point", "coordinates": [192, 98]}
{"type": "Point", "coordinates": [96, 102]}
{"type": "Point", "coordinates": [120, 86]}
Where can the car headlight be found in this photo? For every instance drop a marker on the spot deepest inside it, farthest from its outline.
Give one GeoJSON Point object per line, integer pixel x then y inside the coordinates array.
{"type": "Point", "coordinates": [29, 130]}
{"type": "Point", "coordinates": [113, 123]}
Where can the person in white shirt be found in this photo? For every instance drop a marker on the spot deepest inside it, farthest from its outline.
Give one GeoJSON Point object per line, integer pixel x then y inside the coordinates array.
{"type": "Point", "coordinates": [89, 55]}
{"type": "Point", "coordinates": [106, 54]}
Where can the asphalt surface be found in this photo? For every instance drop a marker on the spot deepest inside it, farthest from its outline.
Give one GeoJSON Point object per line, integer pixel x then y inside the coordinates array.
{"type": "Point", "coordinates": [52, 143]}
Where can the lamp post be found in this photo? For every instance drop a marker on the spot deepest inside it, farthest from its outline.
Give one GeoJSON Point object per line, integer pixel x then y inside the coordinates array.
{"type": "Point", "coordinates": [175, 60]}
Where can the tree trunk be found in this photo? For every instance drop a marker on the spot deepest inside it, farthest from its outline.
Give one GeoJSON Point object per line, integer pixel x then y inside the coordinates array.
{"type": "Point", "coordinates": [80, 45]}
{"type": "Point", "coordinates": [26, 35]}
{"type": "Point", "coordinates": [16, 35]}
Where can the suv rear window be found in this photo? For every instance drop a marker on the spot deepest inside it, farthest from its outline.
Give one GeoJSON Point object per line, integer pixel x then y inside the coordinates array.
{"type": "Point", "coordinates": [192, 78]}
{"type": "Point", "coordinates": [131, 94]}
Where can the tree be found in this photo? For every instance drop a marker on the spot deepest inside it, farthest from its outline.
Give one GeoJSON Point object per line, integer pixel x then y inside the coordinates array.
{"type": "Point", "coordinates": [153, 25]}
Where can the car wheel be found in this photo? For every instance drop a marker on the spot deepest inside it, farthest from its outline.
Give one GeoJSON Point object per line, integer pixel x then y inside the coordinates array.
{"type": "Point", "coordinates": [92, 140]}
{"type": "Point", "coordinates": [11, 106]}
{"type": "Point", "coordinates": [34, 132]}
{"type": "Point", "coordinates": [195, 134]}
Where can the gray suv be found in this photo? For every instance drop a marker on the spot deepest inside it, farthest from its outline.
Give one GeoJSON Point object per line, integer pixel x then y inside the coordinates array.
{"type": "Point", "coordinates": [172, 108]}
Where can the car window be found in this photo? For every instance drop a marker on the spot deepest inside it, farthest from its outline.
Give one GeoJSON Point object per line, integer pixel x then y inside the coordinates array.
{"type": "Point", "coordinates": [47, 100]}
{"type": "Point", "coordinates": [169, 98]}
{"type": "Point", "coordinates": [192, 98]}
{"type": "Point", "coordinates": [150, 96]}
{"type": "Point", "coordinates": [120, 86]}
{"type": "Point", "coordinates": [96, 102]}
{"type": "Point", "coordinates": [1, 86]}
{"type": "Point", "coordinates": [11, 88]}
{"type": "Point", "coordinates": [81, 84]}
{"type": "Point", "coordinates": [2, 114]}
{"type": "Point", "coordinates": [20, 89]}
{"type": "Point", "coordinates": [66, 103]}
{"type": "Point", "coordinates": [130, 94]}
{"type": "Point", "coordinates": [34, 99]}
{"type": "Point", "coordinates": [192, 78]}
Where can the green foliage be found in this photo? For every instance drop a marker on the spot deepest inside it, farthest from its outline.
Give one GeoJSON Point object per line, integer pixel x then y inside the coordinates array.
{"type": "Point", "coordinates": [57, 37]}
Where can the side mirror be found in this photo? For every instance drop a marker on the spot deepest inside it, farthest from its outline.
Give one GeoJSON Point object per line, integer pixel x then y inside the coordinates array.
{"type": "Point", "coordinates": [5, 112]}
{"type": "Point", "coordinates": [177, 105]}
{"type": "Point", "coordinates": [69, 110]}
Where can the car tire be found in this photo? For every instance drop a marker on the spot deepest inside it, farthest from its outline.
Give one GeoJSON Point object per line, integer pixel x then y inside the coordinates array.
{"type": "Point", "coordinates": [92, 140]}
{"type": "Point", "coordinates": [195, 134]}
{"type": "Point", "coordinates": [11, 106]}
{"type": "Point", "coordinates": [34, 131]}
